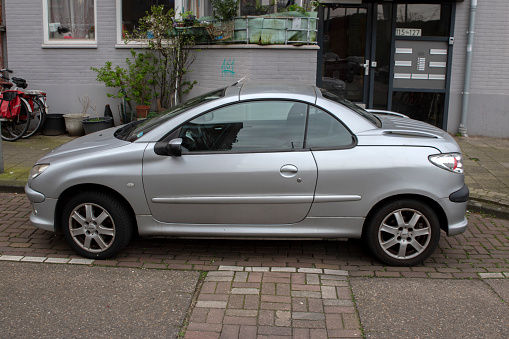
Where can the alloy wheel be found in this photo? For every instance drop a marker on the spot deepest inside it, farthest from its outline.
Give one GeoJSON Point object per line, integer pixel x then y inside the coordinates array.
{"type": "Point", "coordinates": [91, 227]}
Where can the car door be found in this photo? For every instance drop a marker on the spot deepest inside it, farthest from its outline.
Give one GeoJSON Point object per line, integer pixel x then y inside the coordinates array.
{"type": "Point", "coordinates": [241, 164]}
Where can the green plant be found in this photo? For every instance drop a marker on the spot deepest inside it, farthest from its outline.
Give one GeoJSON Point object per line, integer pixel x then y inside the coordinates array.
{"type": "Point", "coordinates": [189, 18]}
{"type": "Point", "coordinates": [294, 8]}
{"type": "Point", "coordinates": [141, 85]}
{"type": "Point", "coordinates": [136, 82]}
{"type": "Point", "coordinates": [225, 9]}
{"type": "Point", "coordinates": [172, 55]}
{"type": "Point", "coordinates": [112, 77]}
{"type": "Point", "coordinates": [258, 8]}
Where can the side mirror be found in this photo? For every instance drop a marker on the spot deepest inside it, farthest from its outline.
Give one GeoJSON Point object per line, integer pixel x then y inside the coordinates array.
{"type": "Point", "coordinates": [174, 147]}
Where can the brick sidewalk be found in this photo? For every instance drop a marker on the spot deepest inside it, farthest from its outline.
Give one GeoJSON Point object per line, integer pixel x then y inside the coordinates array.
{"type": "Point", "coordinates": [483, 248]}
{"type": "Point", "coordinates": [262, 289]}
{"type": "Point", "coordinates": [283, 302]}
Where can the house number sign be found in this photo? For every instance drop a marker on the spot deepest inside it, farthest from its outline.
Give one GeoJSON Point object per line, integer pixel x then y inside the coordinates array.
{"type": "Point", "coordinates": [408, 31]}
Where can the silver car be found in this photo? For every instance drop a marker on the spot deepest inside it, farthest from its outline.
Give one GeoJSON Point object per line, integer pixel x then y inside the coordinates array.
{"type": "Point", "coordinates": [261, 161]}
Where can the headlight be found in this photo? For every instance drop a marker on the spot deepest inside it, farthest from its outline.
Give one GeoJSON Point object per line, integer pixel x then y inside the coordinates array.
{"type": "Point", "coordinates": [37, 170]}
{"type": "Point", "coordinates": [450, 161]}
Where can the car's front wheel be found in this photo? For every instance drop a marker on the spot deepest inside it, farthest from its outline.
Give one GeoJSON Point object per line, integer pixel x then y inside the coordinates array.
{"type": "Point", "coordinates": [403, 232]}
{"type": "Point", "coordinates": [96, 225]}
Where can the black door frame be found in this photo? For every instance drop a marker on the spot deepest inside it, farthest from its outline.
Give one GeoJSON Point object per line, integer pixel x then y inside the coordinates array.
{"type": "Point", "coordinates": [370, 47]}
{"type": "Point", "coordinates": [371, 34]}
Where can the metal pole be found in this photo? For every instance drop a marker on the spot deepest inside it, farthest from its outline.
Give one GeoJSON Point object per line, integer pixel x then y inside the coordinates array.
{"type": "Point", "coordinates": [1, 154]}
{"type": "Point", "coordinates": [468, 69]}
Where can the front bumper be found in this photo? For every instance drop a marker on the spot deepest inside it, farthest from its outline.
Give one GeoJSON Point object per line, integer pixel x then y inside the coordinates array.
{"type": "Point", "coordinates": [455, 208]}
{"type": "Point", "coordinates": [43, 209]}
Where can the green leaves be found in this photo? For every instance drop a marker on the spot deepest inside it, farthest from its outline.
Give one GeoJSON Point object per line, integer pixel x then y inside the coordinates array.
{"type": "Point", "coordinates": [225, 9]}
{"type": "Point", "coordinates": [159, 71]}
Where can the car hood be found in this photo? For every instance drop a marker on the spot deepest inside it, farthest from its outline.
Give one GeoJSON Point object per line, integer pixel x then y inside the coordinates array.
{"type": "Point", "coordinates": [408, 132]}
{"type": "Point", "coordinates": [86, 145]}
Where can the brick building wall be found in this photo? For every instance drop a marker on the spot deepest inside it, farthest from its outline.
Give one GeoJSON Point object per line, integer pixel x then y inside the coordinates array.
{"type": "Point", "coordinates": [488, 112]}
{"type": "Point", "coordinates": [64, 73]}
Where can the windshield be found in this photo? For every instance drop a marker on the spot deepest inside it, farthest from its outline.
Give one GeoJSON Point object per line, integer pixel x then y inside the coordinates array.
{"type": "Point", "coordinates": [137, 129]}
{"type": "Point", "coordinates": [362, 112]}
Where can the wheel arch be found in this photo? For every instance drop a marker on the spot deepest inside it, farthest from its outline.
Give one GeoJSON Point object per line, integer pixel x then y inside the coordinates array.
{"type": "Point", "coordinates": [442, 217]}
{"type": "Point", "coordinates": [74, 190]}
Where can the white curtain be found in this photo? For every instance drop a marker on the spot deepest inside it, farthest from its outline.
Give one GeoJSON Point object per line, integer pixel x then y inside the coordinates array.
{"type": "Point", "coordinates": [76, 18]}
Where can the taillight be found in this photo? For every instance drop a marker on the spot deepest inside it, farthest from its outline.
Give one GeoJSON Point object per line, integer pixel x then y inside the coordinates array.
{"type": "Point", "coordinates": [450, 161]}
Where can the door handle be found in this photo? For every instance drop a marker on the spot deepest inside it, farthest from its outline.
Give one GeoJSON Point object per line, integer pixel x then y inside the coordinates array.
{"type": "Point", "coordinates": [288, 171]}
{"type": "Point", "coordinates": [366, 67]}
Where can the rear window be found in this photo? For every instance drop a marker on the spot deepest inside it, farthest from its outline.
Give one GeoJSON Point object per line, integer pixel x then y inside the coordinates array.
{"type": "Point", "coordinates": [362, 112]}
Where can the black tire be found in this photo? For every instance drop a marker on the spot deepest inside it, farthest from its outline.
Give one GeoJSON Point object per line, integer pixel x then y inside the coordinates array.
{"type": "Point", "coordinates": [37, 118]}
{"type": "Point", "coordinates": [96, 225]}
{"type": "Point", "coordinates": [15, 128]}
{"type": "Point", "coordinates": [403, 232]}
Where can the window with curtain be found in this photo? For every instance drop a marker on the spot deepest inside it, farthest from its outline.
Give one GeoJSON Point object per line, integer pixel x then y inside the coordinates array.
{"type": "Point", "coordinates": [71, 19]}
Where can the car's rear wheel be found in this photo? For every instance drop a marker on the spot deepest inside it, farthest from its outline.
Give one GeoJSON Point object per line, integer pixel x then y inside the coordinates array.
{"type": "Point", "coordinates": [96, 225]}
{"type": "Point", "coordinates": [403, 232]}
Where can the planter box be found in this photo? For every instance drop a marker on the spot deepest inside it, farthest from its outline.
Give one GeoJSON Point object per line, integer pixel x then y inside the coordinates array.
{"type": "Point", "coordinates": [54, 124]}
{"type": "Point", "coordinates": [92, 125]}
{"type": "Point", "coordinates": [198, 32]}
{"type": "Point", "coordinates": [277, 29]}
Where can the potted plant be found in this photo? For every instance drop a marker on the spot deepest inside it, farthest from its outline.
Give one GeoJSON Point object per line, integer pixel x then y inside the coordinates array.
{"type": "Point", "coordinates": [225, 12]}
{"type": "Point", "coordinates": [141, 85]}
{"type": "Point", "coordinates": [189, 19]}
{"type": "Point", "coordinates": [74, 121]}
{"type": "Point", "coordinates": [171, 54]}
{"type": "Point", "coordinates": [135, 84]}
{"type": "Point", "coordinates": [97, 123]}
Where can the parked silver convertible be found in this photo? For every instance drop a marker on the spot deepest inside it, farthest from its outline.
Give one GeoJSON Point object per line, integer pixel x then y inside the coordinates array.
{"type": "Point", "coordinates": [257, 160]}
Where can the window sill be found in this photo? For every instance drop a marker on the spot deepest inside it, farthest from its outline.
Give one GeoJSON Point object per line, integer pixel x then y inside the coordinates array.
{"type": "Point", "coordinates": [231, 46]}
{"type": "Point", "coordinates": [70, 45]}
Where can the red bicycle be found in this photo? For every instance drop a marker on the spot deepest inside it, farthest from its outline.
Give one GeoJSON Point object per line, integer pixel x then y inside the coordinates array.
{"type": "Point", "coordinates": [22, 113]}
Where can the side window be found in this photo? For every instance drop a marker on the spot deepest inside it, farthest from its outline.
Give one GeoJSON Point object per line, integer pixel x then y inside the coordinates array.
{"type": "Point", "coordinates": [249, 126]}
{"type": "Point", "coordinates": [325, 131]}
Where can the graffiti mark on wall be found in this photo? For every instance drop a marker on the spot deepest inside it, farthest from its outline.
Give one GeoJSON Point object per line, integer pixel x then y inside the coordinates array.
{"type": "Point", "coordinates": [227, 68]}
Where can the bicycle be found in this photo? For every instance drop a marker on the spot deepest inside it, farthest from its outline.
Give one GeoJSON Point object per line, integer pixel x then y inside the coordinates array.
{"type": "Point", "coordinates": [15, 114]}
{"type": "Point", "coordinates": [33, 101]}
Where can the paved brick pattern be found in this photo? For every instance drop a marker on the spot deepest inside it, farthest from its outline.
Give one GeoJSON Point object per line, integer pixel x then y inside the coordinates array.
{"type": "Point", "coordinates": [486, 168]}
{"type": "Point", "coordinates": [268, 289]}
{"type": "Point", "coordinates": [283, 302]}
{"type": "Point", "coordinates": [482, 249]}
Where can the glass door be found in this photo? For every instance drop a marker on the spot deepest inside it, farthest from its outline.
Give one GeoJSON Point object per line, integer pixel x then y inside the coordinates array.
{"type": "Point", "coordinates": [381, 56]}
{"type": "Point", "coordinates": [345, 61]}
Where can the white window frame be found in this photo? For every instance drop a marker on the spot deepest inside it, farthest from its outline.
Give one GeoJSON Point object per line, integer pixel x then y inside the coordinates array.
{"type": "Point", "coordinates": [66, 43]}
{"type": "Point", "coordinates": [121, 42]}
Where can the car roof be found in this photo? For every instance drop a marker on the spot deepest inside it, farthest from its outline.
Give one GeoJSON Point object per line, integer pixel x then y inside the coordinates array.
{"type": "Point", "coordinates": [274, 90]}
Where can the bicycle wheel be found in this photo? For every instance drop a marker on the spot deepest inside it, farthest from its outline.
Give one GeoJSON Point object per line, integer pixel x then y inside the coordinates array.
{"type": "Point", "coordinates": [36, 119]}
{"type": "Point", "coordinates": [15, 128]}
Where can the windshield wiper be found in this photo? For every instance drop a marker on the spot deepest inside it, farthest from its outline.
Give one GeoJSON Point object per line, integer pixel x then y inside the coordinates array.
{"type": "Point", "coordinates": [124, 132]}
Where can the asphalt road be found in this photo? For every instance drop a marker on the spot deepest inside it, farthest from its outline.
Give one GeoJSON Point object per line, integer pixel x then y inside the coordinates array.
{"type": "Point", "coordinates": [77, 301]}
